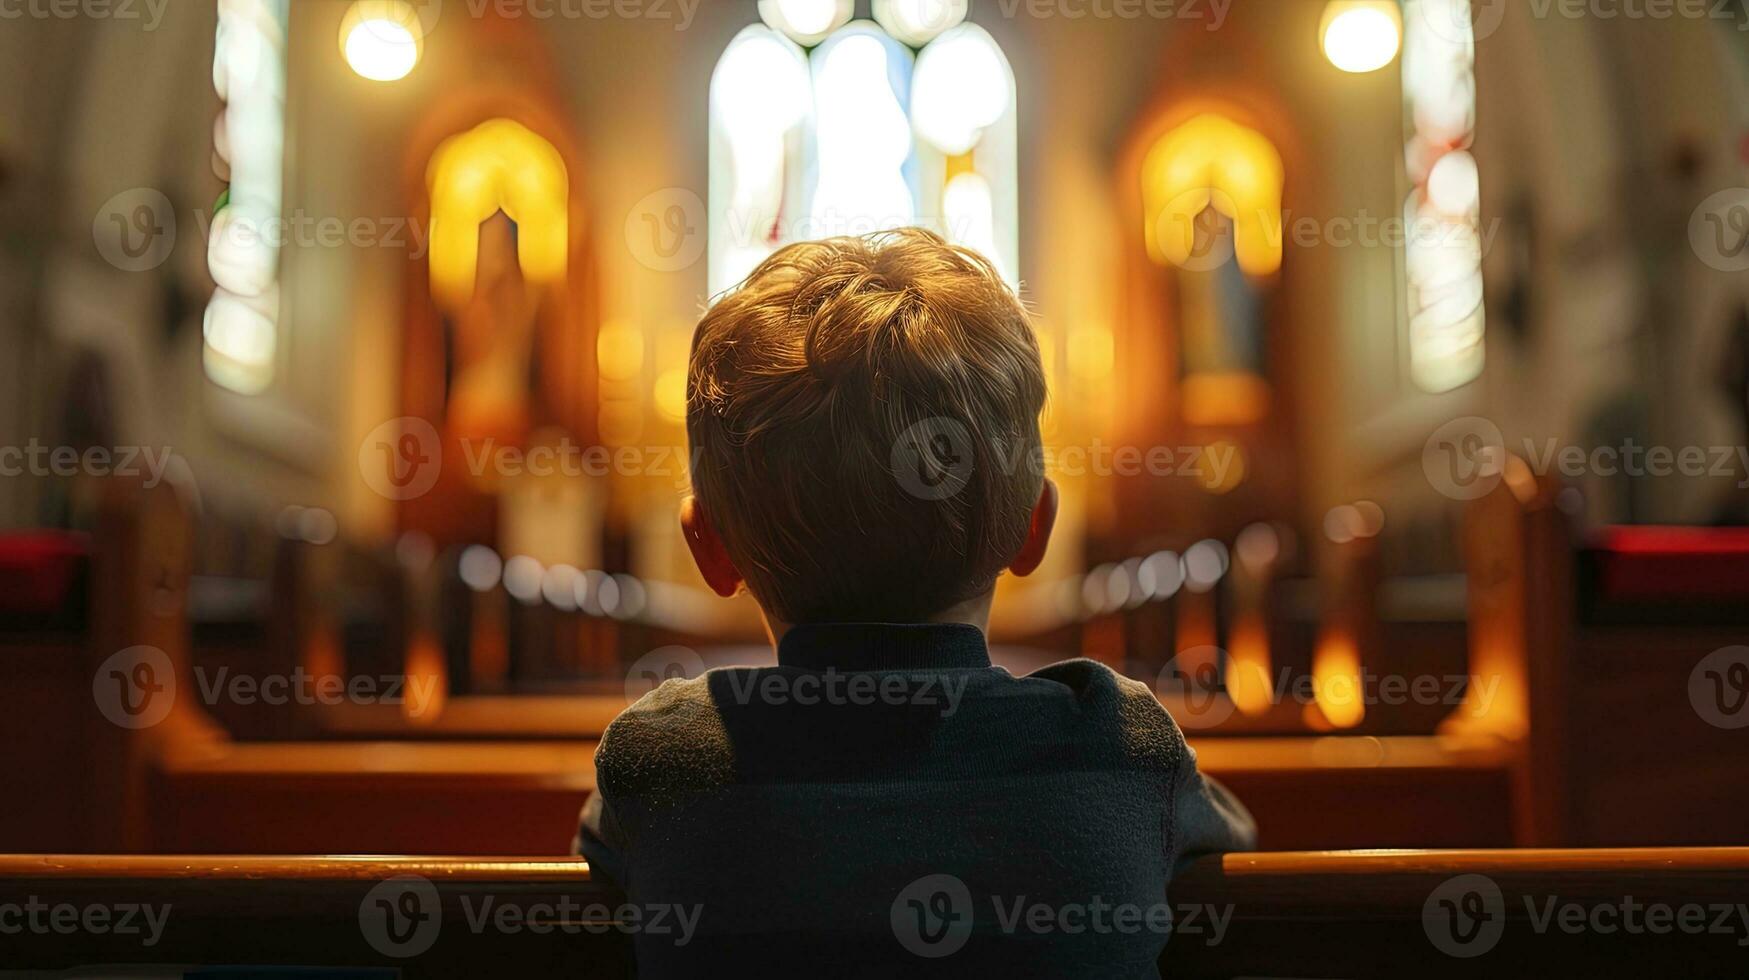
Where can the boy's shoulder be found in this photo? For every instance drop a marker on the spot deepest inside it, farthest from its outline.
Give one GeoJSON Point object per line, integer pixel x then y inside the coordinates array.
{"type": "Point", "coordinates": [1145, 731]}
{"type": "Point", "coordinates": [673, 741]}
{"type": "Point", "coordinates": [667, 743]}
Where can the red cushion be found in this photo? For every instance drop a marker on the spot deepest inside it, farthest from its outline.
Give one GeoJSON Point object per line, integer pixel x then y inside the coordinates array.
{"type": "Point", "coordinates": [1665, 563]}
{"type": "Point", "coordinates": [39, 571]}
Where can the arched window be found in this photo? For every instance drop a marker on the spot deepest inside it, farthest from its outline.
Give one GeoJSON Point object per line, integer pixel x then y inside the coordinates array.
{"type": "Point", "coordinates": [824, 126]}
{"type": "Point", "coordinates": [242, 319]}
{"type": "Point", "coordinates": [1443, 258]}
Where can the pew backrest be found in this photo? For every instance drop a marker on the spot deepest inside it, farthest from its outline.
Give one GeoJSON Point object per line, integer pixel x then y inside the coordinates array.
{"type": "Point", "coordinates": [1631, 725]}
{"type": "Point", "coordinates": [1533, 913]}
{"type": "Point", "coordinates": [79, 709]}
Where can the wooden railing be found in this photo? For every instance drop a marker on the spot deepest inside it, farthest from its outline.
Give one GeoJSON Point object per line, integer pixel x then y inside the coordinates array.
{"type": "Point", "coordinates": [1652, 912]}
{"type": "Point", "coordinates": [1506, 913]}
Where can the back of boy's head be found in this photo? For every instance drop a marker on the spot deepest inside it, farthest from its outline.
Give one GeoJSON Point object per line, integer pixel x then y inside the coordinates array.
{"type": "Point", "coordinates": [863, 415]}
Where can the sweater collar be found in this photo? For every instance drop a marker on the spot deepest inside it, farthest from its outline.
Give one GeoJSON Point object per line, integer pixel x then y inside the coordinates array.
{"type": "Point", "coordinates": [883, 646]}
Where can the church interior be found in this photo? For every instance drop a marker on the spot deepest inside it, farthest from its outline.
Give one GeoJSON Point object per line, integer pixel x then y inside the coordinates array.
{"type": "Point", "coordinates": [1398, 356]}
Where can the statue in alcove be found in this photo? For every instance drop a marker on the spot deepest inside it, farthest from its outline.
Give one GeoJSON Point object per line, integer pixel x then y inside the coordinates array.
{"type": "Point", "coordinates": [1222, 310]}
{"type": "Point", "coordinates": [491, 344]}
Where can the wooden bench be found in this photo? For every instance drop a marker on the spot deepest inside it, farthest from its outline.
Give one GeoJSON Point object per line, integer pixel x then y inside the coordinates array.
{"type": "Point", "coordinates": [1618, 746]}
{"type": "Point", "coordinates": [1350, 914]}
{"type": "Point", "coordinates": [84, 779]}
{"type": "Point", "coordinates": [508, 774]}
{"type": "Point", "coordinates": [76, 779]}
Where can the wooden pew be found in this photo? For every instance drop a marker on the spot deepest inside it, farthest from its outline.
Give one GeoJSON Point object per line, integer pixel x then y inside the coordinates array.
{"type": "Point", "coordinates": [77, 761]}
{"type": "Point", "coordinates": [313, 912]}
{"type": "Point", "coordinates": [476, 784]}
{"type": "Point", "coordinates": [1386, 914]}
{"type": "Point", "coordinates": [1325, 914]}
{"type": "Point", "coordinates": [1616, 744]}
{"type": "Point", "coordinates": [82, 776]}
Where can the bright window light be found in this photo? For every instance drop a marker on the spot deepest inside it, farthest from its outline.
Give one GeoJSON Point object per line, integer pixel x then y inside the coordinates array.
{"type": "Point", "coordinates": [963, 86]}
{"type": "Point", "coordinates": [917, 22]}
{"type": "Point", "coordinates": [857, 132]}
{"type": "Point", "coordinates": [864, 142]}
{"type": "Point", "coordinates": [805, 21]}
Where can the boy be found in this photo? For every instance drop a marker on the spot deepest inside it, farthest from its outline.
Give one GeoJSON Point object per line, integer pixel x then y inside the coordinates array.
{"type": "Point", "coordinates": [863, 414]}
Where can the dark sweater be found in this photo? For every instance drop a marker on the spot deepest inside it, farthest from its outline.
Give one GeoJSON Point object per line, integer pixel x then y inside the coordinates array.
{"type": "Point", "coordinates": [885, 802]}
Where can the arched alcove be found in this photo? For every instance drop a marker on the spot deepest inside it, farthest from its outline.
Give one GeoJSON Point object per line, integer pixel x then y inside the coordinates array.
{"type": "Point", "coordinates": [500, 316]}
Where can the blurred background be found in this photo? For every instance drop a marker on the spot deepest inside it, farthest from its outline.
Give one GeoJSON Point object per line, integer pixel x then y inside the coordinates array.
{"type": "Point", "coordinates": [1398, 351]}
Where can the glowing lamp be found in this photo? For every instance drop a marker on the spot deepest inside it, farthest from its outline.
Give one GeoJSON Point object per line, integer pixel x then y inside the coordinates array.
{"type": "Point", "coordinates": [1361, 36]}
{"type": "Point", "coordinates": [382, 39]}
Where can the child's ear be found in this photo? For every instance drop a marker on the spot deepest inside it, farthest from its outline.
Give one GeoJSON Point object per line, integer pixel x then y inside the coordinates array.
{"type": "Point", "coordinates": [1038, 533]}
{"type": "Point", "coordinates": [707, 549]}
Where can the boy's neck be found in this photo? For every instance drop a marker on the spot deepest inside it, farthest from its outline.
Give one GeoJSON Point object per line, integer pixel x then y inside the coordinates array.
{"type": "Point", "coordinates": [973, 612]}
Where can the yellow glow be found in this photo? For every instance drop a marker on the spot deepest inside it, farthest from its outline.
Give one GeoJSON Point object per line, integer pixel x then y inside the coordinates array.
{"type": "Point", "coordinates": [382, 39]}
{"type": "Point", "coordinates": [621, 422]}
{"type": "Point", "coordinates": [425, 662]}
{"type": "Point", "coordinates": [1221, 398]}
{"type": "Point", "coordinates": [1221, 467]}
{"type": "Point", "coordinates": [1336, 680]}
{"type": "Point", "coordinates": [1091, 353]}
{"type": "Point", "coordinates": [671, 394]}
{"type": "Point", "coordinates": [499, 165]}
{"type": "Point", "coordinates": [1248, 666]}
{"type": "Point", "coordinates": [1212, 161]}
{"type": "Point", "coordinates": [1361, 35]}
{"type": "Point", "coordinates": [619, 352]}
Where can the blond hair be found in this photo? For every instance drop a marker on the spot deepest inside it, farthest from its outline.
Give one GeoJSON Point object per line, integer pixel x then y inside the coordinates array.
{"type": "Point", "coordinates": [863, 414]}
